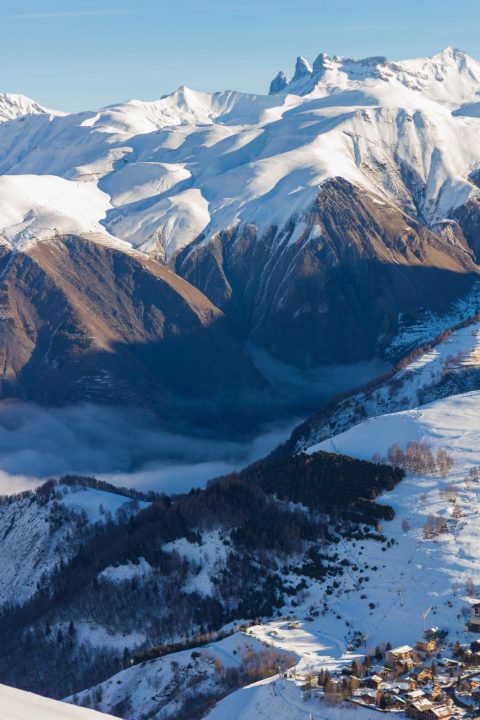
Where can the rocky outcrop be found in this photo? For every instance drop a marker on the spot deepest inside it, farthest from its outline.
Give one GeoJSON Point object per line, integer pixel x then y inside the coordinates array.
{"type": "Point", "coordinates": [279, 83]}
{"type": "Point", "coordinates": [468, 218]}
{"type": "Point", "coordinates": [329, 286]}
{"type": "Point", "coordinates": [84, 322]}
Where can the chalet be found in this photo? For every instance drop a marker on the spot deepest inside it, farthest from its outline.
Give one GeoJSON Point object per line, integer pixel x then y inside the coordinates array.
{"type": "Point", "coordinates": [437, 712]}
{"type": "Point", "coordinates": [415, 695]}
{"type": "Point", "coordinates": [416, 708]}
{"type": "Point", "coordinates": [411, 682]}
{"type": "Point", "coordinates": [435, 633]}
{"type": "Point", "coordinates": [426, 646]}
{"type": "Point", "coordinates": [401, 655]}
{"type": "Point", "coordinates": [426, 710]}
{"type": "Point", "coordinates": [474, 622]}
{"type": "Point", "coordinates": [374, 682]}
{"type": "Point", "coordinates": [369, 697]}
{"type": "Point", "coordinates": [421, 675]}
{"type": "Point", "coordinates": [433, 692]}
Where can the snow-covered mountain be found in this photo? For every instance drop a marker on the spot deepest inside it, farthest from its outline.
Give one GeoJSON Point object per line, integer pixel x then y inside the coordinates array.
{"type": "Point", "coordinates": [451, 77]}
{"type": "Point", "coordinates": [312, 217]}
{"type": "Point", "coordinates": [13, 107]}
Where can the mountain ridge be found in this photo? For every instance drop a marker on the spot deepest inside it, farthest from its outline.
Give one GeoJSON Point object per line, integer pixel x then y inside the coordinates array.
{"type": "Point", "coordinates": [283, 210]}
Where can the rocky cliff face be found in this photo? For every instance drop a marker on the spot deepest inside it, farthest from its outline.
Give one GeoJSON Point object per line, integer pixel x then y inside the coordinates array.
{"type": "Point", "coordinates": [330, 285]}
{"type": "Point", "coordinates": [82, 321]}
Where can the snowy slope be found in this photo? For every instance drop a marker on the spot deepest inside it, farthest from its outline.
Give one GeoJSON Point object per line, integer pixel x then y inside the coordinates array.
{"type": "Point", "coordinates": [401, 581]}
{"type": "Point", "coordinates": [425, 572]}
{"type": "Point", "coordinates": [37, 535]}
{"type": "Point", "coordinates": [193, 163]}
{"type": "Point", "coordinates": [19, 705]}
{"type": "Point", "coordinates": [14, 106]}
{"type": "Point", "coordinates": [274, 700]}
{"type": "Point", "coordinates": [33, 207]}
{"type": "Point", "coordinates": [447, 367]}
{"type": "Point", "coordinates": [158, 688]}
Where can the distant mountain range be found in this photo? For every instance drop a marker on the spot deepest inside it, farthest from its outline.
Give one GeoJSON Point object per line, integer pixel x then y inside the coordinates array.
{"type": "Point", "coordinates": [143, 243]}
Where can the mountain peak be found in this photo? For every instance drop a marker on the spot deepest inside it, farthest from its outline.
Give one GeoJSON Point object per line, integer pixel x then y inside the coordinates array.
{"type": "Point", "coordinates": [279, 83]}
{"type": "Point", "coordinates": [428, 75]}
{"type": "Point", "coordinates": [302, 69]}
{"type": "Point", "coordinates": [13, 106]}
{"type": "Point", "coordinates": [452, 52]}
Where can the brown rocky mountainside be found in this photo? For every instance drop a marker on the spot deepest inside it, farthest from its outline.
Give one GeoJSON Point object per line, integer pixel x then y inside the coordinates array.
{"type": "Point", "coordinates": [331, 288]}
{"type": "Point", "coordinates": [83, 321]}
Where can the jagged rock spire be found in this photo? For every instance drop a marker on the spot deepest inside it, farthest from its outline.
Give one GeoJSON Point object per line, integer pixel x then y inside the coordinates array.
{"type": "Point", "coordinates": [279, 83]}
{"type": "Point", "coordinates": [322, 60]}
{"type": "Point", "coordinates": [302, 69]}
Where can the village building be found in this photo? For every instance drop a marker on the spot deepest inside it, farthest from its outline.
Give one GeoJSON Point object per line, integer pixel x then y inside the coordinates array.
{"type": "Point", "coordinates": [416, 708]}
{"type": "Point", "coordinates": [414, 695]}
{"type": "Point", "coordinates": [368, 696]}
{"type": "Point", "coordinates": [438, 712]}
{"type": "Point", "coordinates": [401, 655]}
{"type": "Point", "coordinates": [449, 663]}
{"type": "Point", "coordinates": [374, 682]}
{"type": "Point", "coordinates": [474, 622]}
{"type": "Point", "coordinates": [435, 633]}
{"type": "Point", "coordinates": [434, 692]}
{"type": "Point", "coordinates": [426, 646]}
{"type": "Point", "coordinates": [424, 709]}
{"type": "Point", "coordinates": [421, 675]}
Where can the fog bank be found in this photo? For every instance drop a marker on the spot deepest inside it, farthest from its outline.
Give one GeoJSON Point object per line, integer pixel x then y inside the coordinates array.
{"type": "Point", "coordinates": [123, 446]}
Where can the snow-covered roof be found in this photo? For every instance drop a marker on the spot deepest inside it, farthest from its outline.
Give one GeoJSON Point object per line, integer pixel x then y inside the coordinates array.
{"type": "Point", "coordinates": [401, 650]}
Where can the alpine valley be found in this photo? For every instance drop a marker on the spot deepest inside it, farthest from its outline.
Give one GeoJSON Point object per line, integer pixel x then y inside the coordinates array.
{"type": "Point", "coordinates": [209, 267]}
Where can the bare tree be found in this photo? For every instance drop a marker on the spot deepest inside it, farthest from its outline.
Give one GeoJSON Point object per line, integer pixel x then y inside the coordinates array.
{"type": "Point", "coordinates": [470, 588]}
{"type": "Point", "coordinates": [405, 525]}
{"type": "Point", "coordinates": [444, 462]}
{"type": "Point", "coordinates": [395, 455]}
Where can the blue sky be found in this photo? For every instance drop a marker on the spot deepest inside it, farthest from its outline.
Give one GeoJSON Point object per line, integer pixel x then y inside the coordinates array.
{"type": "Point", "coordinates": [81, 54]}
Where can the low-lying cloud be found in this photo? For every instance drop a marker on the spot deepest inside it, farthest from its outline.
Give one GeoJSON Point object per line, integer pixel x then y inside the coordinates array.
{"type": "Point", "coordinates": [127, 446]}
{"type": "Point", "coordinates": [123, 446]}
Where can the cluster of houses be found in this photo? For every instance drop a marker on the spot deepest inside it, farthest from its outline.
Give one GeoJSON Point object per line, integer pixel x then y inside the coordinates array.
{"type": "Point", "coordinates": [422, 683]}
{"type": "Point", "coordinates": [406, 683]}
{"type": "Point", "coordinates": [416, 681]}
